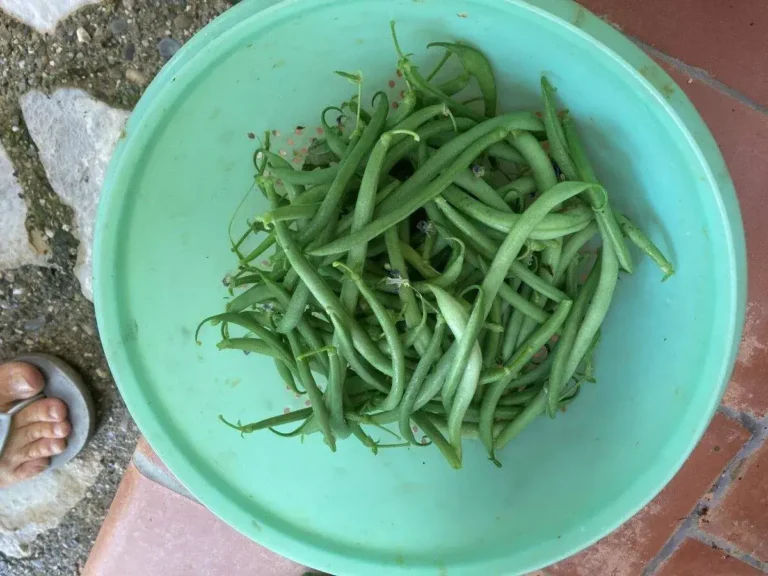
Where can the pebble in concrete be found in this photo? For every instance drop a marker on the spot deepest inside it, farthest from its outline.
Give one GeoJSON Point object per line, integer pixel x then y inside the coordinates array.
{"type": "Point", "coordinates": [15, 249]}
{"type": "Point", "coordinates": [75, 135]}
{"type": "Point", "coordinates": [39, 504]}
{"type": "Point", "coordinates": [42, 14]}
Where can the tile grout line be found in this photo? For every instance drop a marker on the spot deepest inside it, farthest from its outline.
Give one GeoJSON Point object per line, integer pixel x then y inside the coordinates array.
{"type": "Point", "coordinates": [701, 75]}
{"type": "Point", "coordinates": [689, 528]}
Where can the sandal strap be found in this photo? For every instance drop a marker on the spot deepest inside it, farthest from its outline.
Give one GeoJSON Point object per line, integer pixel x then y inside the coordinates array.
{"type": "Point", "coordinates": [7, 417]}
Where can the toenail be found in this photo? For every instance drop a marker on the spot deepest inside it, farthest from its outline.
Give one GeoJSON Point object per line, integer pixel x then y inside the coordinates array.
{"type": "Point", "coordinates": [54, 412]}
{"type": "Point", "coordinates": [60, 430]}
{"type": "Point", "coordinates": [20, 385]}
{"type": "Point", "coordinates": [57, 448]}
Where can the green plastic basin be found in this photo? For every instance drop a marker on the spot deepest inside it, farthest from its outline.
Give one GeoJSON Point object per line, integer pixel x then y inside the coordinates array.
{"type": "Point", "coordinates": [161, 250]}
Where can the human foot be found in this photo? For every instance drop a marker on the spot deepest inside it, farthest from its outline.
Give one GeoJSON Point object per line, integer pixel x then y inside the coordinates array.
{"type": "Point", "coordinates": [38, 432]}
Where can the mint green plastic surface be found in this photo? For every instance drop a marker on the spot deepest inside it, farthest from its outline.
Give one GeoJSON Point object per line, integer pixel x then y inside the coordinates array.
{"type": "Point", "coordinates": [161, 251]}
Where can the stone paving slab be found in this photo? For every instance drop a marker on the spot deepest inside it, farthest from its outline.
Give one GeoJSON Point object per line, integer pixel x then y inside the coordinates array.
{"type": "Point", "coordinates": [75, 136]}
{"type": "Point", "coordinates": [15, 247]}
{"type": "Point", "coordinates": [42, 15]}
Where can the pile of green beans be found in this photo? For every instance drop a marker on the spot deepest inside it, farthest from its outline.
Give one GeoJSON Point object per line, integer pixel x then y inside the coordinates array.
{"type": "Point", "coordinates": [432, 268]}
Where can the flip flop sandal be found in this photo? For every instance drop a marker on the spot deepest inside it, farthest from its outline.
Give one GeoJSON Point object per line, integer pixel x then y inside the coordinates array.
{"type": "Point", "coordinates": [61, 382]}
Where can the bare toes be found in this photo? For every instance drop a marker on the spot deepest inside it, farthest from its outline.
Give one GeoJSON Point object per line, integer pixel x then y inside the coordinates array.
{"type": "Point", "coordinates": [18, 381]}
{"type": "Point", "coordinates": [30, 468]}
{"type": "Point", "coordinates": [45, 410]}
{"type": "Point", "coordinates": [37, 430]}
{"type": "Point", "coordinates": [43, 448]}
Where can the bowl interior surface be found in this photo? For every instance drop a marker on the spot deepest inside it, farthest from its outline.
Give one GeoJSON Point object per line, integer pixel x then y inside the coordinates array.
{"type": "Point", "coordinates": [162, 252]}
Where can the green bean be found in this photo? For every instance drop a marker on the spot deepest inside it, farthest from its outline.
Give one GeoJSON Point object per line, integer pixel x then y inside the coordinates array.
{"type": "Point", "coordinates": [271, 422]}
{"type": "Point", "coordinates": [302, 178]}
{"type": "Point", "coordinates": [413, 203]}
{"type": "Point", "coordinates": [514, 325]}
{"type": "Point", "coordinates": [558, 145]}
{"type": "Point", "coordinates": [260, 249]}
{"type": "Point", "coordinates": [530, 218]}
{"type": "Point", "coordinates": [415, 79]}
{"type": "Point", "coordinates": [477, 65]}
{"type": "Point", "coordinates": [469, 430]}
{"type": "Point", "coordinates": [506, 293]}
{"type": "Point", "coordinates": [284, 298]}
{"type": "Point", "coordinates": [309, 426]}
{"type": "Point", "coordinates": [364, 206]}
{"type": "Point", "coordinates": [413, 258]}
{"type": "Point", "coordinates": [528, 415]}
{"type": "Point", "coordinates": [334, 394]}
{"type": "Point", "coordinates": [560, 376]}
{"type": "Point", "coordinates": [417, 380]}
{"type": "Point", "coordinates": [549, 259]}
{"type": "Point", "coordinates": [519, 398]}
{"type": "Point", "coordinates": [493, 340]}
{"type": "Point", "coordinates": [473, 413]}
{"type": "Point", "coordinates": [541, 167]}
{"type": "Point", "coordinates": [434, 382]}
{"type": "Point", "coordinates": [554, 226]}
{"type": "Point", "coordinates": [254, 295]}
{"type": "Point", "coordinates": [326, 297]}
{"type": "Point", "coordinates": [503, 151]}
{"type": "Point", "coordinates": [572, 278]}
{"type": "Point", "coordinates": [287, 376]}
{"type": "Point", "coordinates": [461, 381]}
{"type": "Point", "coordinates": [571, 248]}
{"type": "Point", "coordinates": [598, 308]}
{"type": "Point", "coordinates": [642, 241]}
{"type": "Point", "coordinates": [312, 196]}
{"type": "Point", "coordinates": [360, 366]}
{"type": "Point", "coordinates": [518, 188]}
{"type": "Point", "coordinates": [481, 190]}
{"type": "Point", "coordinates": [455, 85]}
{"type": "Point", "coordinates": [249, 324]}
{"type": "Point", "coordinates": [406, 108]}
{"type": "Point", "coordinates": [448, 154]}
{"type": "Point", "coordinates": [453, 268]}
{"type": "Point", "coordinates": [429, 130]}
{"type": "Point", "coordinates": [405, 293]}
{"type": "Point", "coordinates": [277, 161]}
{"type": "Point", "coordinates": [347, 169]}
{"type": "Point", "coordinates": [393, 340]}
{"type": "Point", "coordinates": [315, 395]}
{"type": "Point", "coordinates": [295, 309]}
{"type": "Point", "coordinates": [446, 56]}
{"type": "Point", "coordinates": [424, 422]}
{"type": "Point", "coordinates": [335, 142]}
{"type": "Point", "coordinates": [597, 198]}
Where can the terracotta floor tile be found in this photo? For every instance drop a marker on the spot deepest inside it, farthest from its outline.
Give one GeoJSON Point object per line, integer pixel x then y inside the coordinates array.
{"type": "Point", "coordinates": [694, 558]}
{"type": "Point", "coordinates": [151, 531]}
{"type": "Point", "coordinates": [742, 134]}
{"type": "Point", "coordinates": [742, 515]}
{"type": "Point", "coordinates": [725, 38]}
{"type": "Point", "coordinates": [627, 551]}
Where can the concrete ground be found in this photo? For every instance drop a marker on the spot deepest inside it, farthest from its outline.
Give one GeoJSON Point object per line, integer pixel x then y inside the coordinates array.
{"type": "Point", "coordinates": [70, 70]}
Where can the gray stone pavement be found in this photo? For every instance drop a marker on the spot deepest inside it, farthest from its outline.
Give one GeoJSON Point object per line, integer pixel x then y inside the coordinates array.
{"type": "Point", "coordinates": [70, 71]}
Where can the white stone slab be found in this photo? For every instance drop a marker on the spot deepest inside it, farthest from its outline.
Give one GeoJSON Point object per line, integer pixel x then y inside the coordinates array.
{"type": "Point", "coordinates": [32, 507]}
{"type": "Point", "coordinates": [15, 249]}
{"type": "Point", "coordinates": [42, 15]}
{"type": "Point", "coordinates": [75, 135]}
